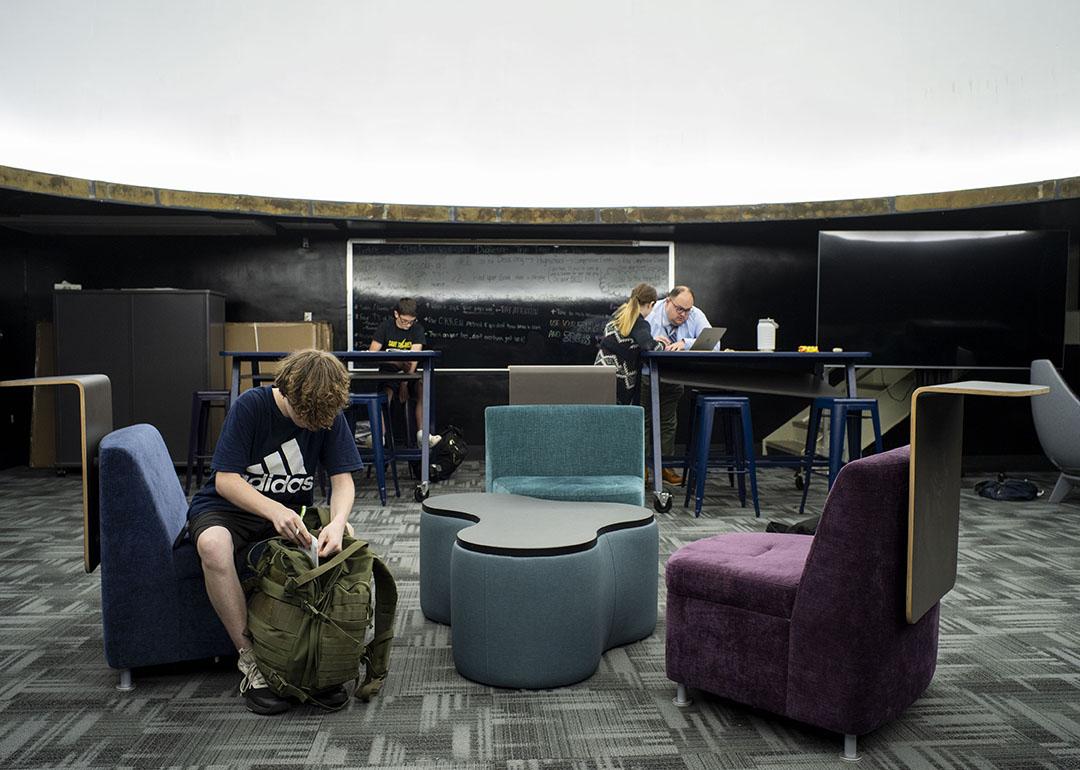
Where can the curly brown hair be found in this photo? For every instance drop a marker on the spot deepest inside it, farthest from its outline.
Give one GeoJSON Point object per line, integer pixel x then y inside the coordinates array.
{"type": "Point", "coordinates": [316, 386]}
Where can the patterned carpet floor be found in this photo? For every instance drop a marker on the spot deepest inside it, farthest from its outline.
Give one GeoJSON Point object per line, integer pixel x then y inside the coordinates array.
{"type": "Point", "coordinates": [1006, 693]}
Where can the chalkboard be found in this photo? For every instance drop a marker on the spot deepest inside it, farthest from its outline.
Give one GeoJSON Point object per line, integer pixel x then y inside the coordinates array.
{"type": "Point", "coordinates": [489, 305]}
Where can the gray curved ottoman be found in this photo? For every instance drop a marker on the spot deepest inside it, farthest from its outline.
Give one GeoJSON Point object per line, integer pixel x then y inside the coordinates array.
{"type": "Point", "coordinates": [536, 590]}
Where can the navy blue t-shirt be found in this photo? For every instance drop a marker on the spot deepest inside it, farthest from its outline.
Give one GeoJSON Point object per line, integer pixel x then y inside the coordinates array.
{"type": "Point", "coordinates": [274, 454]}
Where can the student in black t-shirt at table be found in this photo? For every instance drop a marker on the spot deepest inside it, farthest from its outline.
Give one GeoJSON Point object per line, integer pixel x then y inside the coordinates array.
{"type": "Point", "coordinates": [402, 331]}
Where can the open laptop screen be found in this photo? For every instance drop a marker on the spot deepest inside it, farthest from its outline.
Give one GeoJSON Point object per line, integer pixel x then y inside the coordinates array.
{"type": "Point", "coordinates": [709, 338]}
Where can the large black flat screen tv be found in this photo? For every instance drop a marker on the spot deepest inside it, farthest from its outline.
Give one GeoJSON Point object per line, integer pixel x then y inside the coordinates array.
{"type": "Point", "coordinates": [971, 299]}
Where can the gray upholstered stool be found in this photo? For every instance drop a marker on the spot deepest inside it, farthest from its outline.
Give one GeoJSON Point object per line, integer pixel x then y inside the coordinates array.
{"type": "Point", "coordinates": [536, 590]}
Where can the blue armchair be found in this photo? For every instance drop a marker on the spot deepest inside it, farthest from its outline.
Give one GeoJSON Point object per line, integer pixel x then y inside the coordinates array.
{"type": "Point", "coordinates": [587, 452]}
{"type": "Point", "coordinates": [154, 605]}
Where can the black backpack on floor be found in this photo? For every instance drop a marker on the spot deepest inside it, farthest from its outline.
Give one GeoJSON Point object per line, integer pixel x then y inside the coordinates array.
{"type": "Point", "coordinates": [445, 457]}
{"type": "Point", "coordinates": [448, 454]}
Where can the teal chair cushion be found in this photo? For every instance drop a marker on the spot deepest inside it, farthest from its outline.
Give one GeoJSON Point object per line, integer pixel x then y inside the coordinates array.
{"type": "Point", "coordinates": [594, 489]}
{"type": "Point", "coordinates": [591, 452]}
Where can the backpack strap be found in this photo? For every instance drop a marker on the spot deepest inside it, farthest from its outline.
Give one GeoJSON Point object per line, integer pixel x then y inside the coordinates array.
{"type": "Point", "coordinates": [377, 652]}
{"type": "Point", "coordinates": [337, 559]}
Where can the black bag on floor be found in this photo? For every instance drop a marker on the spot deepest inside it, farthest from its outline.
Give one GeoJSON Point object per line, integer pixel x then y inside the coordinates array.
{"type": "Point", "coordinates": [448, 454]}
{"type": "Point", "coordinates": [445, 457]}
{"type": "Point", "coordinates": [1007, 489]}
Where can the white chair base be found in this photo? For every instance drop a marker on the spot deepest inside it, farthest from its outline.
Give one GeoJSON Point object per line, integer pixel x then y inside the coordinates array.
{"type": "Point", "coordinates": [1063, 487]}
{"type": "Point", "coordinates": [851, 753]}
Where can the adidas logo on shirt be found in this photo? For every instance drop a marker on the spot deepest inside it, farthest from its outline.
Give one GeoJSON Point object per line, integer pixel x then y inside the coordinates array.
{"type": "Point", "coordinates": [281, 472]}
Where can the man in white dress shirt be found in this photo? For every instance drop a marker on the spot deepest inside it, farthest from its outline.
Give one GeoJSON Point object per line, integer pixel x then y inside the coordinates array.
{"type": "Point", "coordinates": [677, 323]}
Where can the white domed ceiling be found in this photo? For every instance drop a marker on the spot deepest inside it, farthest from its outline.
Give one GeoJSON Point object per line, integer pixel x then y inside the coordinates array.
{"type": "Point", "coordinates": [560, 103]}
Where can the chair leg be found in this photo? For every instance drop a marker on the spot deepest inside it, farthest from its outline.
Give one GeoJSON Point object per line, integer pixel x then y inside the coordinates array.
{"type": "Point", "coordinates": [701, 451]}
{"type": "Point", "coordinates": [375, 416]}
{"type": "Point", "coordinates": [688, 455]}
{"type": "Point", "coordinates": [811, 451]}
{"type": "Point", "coordinates": [392, 456]}
{"type": "Point", "coordinates": [738, 453]}
{"type": "Point", "coordinates": [851, 753]}
{"type": "Point", "coordinates": [876, 422]}
{"type": "Point", "coordinates": [1061, 489]}
{"type": "Point", "coordinates": [193, 437]}
{"type": "Point", "coordinates": [204, 431]}
{"type": "Point", "coordinates": [748, 449]}
{"type": "Point", "coordinates": [854, 429]}
{"type": "Point", "coordinates": [729, 444]}
{"type": "Point", "coordinates": [836, 441]}
{"type": "Point", "coordinates": [681, 699]}
{"type": "Point", "coordinates": [124, 684]}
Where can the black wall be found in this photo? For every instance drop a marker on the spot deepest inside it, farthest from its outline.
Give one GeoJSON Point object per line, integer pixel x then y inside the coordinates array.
{"type": "Point", "coordinates": [739, 271]}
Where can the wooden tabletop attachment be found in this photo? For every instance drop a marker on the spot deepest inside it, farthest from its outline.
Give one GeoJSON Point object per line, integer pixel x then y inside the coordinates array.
{"type": "Point", "coordinates": [937, 432]}
{"type": "Point", "coordinates": [95, 422]}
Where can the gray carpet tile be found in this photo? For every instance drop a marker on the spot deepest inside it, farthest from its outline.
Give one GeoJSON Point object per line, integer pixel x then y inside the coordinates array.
{"type": "Point", "coordinates": [1006, 693]}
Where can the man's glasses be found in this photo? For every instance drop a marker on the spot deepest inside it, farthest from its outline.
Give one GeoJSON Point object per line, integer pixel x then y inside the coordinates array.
{"type": "Point", "coordinates": [406, 321]}
{"type": "Point", "coordinates": [680, 309]}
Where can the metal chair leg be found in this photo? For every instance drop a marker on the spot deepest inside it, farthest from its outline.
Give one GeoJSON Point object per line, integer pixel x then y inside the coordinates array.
{"type": "Point", "coordinates": [751, 463]}
{"type": "Point", "coordinates": [702, 452]}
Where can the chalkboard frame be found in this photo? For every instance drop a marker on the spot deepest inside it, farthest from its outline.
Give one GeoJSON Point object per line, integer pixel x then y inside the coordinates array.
{"type": "Point", "coordinates": [554, 245]}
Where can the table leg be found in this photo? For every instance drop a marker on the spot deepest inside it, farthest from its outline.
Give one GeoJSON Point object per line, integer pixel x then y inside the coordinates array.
{"type": "Point", "coordinates": [661, 499]}
{"type": "Point", "coordinates": [849, 372]}
{"type": "Point", "coordinates": [425, 432]}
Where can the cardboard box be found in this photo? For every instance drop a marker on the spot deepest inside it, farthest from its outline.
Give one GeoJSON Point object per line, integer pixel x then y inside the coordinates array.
{"type": "Point", "coordinates": [273, 336]}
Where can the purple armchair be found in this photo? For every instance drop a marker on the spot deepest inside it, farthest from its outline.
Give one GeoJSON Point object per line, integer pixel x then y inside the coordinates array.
{"type": "Point", "coordinates": [812, 628]}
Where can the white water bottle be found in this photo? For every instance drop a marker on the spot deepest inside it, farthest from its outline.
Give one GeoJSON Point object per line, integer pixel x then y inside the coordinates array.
{"type": "Point", "coordinates": [766, 334]}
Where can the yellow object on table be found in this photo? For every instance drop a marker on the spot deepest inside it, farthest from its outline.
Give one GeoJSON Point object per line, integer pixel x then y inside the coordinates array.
{"type": "Point", "coordinates": [808, 348]}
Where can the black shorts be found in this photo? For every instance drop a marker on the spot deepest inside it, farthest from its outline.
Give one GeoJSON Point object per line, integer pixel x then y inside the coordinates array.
{"type": "Point", "coordinates": [247, 530]}
{"type": "Point", "coordinates": [393, 385]}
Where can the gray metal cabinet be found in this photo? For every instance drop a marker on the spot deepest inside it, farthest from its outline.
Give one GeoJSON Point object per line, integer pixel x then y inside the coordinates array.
{"type": "Point", "coordinates": [156, 345]}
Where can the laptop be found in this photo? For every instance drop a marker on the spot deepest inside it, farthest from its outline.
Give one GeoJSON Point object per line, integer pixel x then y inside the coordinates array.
{"type": "Point", "coordinates": [709, 338]}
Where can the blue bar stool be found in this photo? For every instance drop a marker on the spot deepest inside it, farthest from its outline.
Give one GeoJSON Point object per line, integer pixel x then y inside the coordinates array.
{"type": "Point", "coordinates": [741, 461]}
{"type": "Point", "coordinates": [382, 449]}
{"type": "Point", "coordinates": [201, 403]}
{"type": "Point", "coordinates": [727, 425]}
{"type": "Point", "coordinates": [841, 410]}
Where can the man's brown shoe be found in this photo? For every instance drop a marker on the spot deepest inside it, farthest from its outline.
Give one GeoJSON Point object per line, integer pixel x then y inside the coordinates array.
{"type": "Point", "coordinates": [668, 475]}
{"type": "Point", "coordinates": [671, 477]}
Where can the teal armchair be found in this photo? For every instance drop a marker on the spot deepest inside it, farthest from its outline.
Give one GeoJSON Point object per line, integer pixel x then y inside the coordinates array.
{"type": "Point", "coordinates": [586, 452]}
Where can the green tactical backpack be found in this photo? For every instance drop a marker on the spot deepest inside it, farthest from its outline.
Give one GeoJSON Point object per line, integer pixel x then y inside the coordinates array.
{"type": "Point", "coordinates": [307, 624]}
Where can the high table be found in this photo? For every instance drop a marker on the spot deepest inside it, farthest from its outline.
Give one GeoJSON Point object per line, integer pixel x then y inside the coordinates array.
{"type": "Point", "coordinates": [785, 374]}
{"type": "Point", "coordinates": [95, 422]}
{"type": "Point", "coordinates": [425, 363]}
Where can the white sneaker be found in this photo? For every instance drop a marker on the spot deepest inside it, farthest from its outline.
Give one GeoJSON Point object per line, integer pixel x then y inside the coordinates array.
{"type": "Point", "coordinates": [433, 438]}
{"type": "Point", "coordinates": [258, 697]}
{"type": "Point", "coordinates": [253, 677]}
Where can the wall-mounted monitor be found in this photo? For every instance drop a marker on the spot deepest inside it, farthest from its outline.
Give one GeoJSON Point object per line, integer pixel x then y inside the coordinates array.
{"type": "Point", "coordinates": [955, 299]}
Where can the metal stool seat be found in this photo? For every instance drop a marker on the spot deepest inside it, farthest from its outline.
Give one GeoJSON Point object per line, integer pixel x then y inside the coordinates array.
{"type": "Point", "coordinates": [739, 457]}
{"type": "Point", "coordinates": [841, 410]}
{"type": "Point", "coordinates": [202, 401]}
{"type": "Point", "coordinates": [382, 449]}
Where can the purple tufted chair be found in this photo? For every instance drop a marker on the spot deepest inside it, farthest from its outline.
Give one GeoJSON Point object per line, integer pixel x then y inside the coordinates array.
{"type": "Point", "coordinates": [810, 627]}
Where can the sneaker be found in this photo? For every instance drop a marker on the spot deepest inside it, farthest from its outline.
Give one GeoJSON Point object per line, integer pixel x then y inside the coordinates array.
{"type": "Point", "coordinates": [331, 699]}
{"type": "Point", "coordinates": [433, 438]}
{"type": "Point", "coordinates": [257, 693]}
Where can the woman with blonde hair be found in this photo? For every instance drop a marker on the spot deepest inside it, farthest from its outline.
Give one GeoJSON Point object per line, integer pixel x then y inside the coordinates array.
{"type": "Point", "coordinates": [625, 336]}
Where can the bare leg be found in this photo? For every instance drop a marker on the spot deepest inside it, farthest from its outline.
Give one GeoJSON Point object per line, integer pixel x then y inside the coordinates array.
{"type": "Point", "coordinates": [215, 548]}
